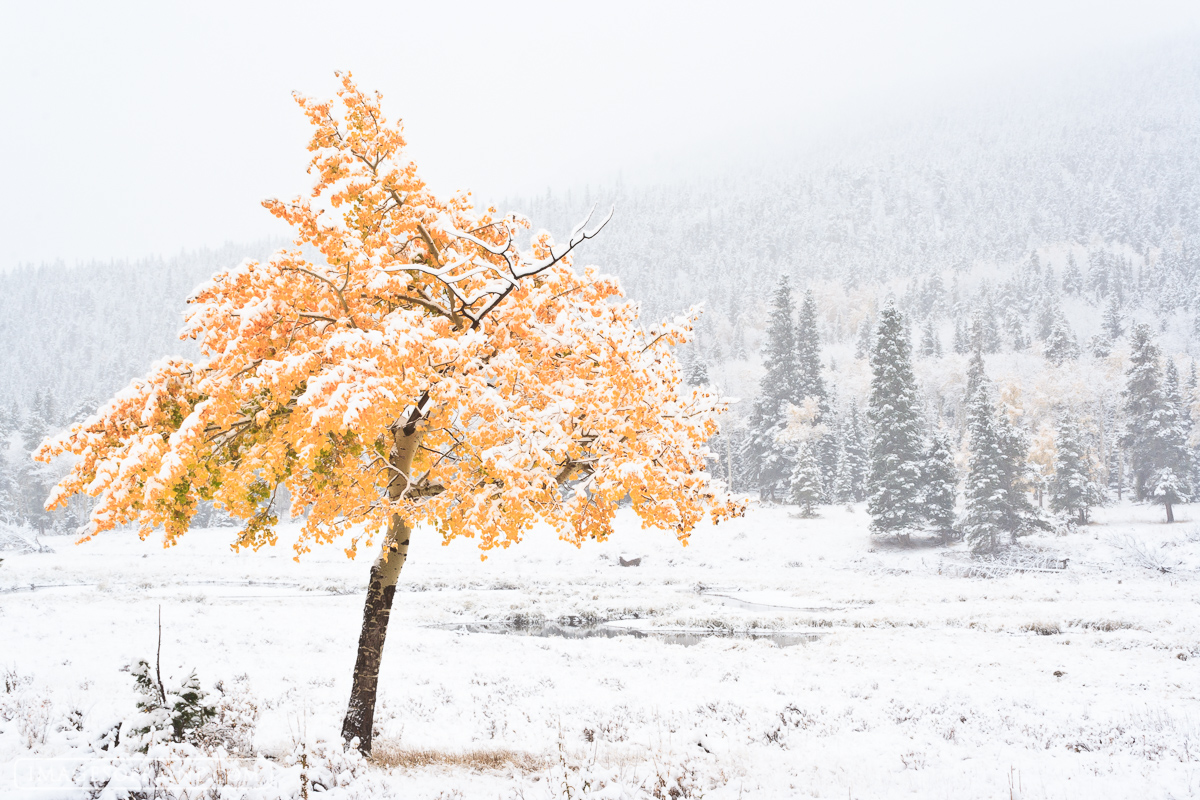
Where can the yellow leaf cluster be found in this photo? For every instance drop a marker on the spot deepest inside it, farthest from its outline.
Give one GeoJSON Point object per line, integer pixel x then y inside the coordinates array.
{"type": "Point", "coordinates": [529, 389]}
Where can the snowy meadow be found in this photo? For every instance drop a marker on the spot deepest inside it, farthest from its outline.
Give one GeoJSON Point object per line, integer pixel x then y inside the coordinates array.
{"type": "Point", "coordinates": [903, 671]}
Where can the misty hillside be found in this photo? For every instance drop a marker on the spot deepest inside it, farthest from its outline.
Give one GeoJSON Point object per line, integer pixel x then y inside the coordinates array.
{"type": "Point", "coordinates": [83, 332]}
{"type": "Point", "coordinates": [1107, 162]}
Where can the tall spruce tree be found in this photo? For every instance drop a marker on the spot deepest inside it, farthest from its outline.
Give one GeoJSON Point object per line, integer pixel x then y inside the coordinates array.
{"type": "Point", "coordinates": [1171, 481]}
{"type": "Point", "coordinates": [808, 356]}
{"type": "Point", "coordinates": [962, 337]}
{"type": "Point", "coordinates": [931, 346]}
{"type": "Point", "coordinates": [896, 448]}
{"type": "Point", "coordinates": [941, 486]}
{"type": "Point", "coordinates": [998, 509]}
{"type": "Point", "coordinates": [1073, 491]}
{"type": "Point", "coordinates": [986, 488]}
{"type": "Point", "coordinates": [1149, 421]}
{"type": "Point", "coordinates": [1021, 517]}
{"type": "Point", "coordinates": [853, 463]}
{"type": "Point", "coordinates": [1015, 329]}
{"type": "Point", "coordinates": [1192, 400]}
{"type": "Point", "coordinates": [769, 462]}
{"type": "Point", "coordinates": [1113, 323]}
{"type": "Point", "coordinates": [863, 342]}
{"type": "Point", "coordinates": [1072, 278]}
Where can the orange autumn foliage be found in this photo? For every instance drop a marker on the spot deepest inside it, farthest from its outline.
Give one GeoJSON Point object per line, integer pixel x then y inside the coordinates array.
{"type": "Point", "coordinates": [537, 394]}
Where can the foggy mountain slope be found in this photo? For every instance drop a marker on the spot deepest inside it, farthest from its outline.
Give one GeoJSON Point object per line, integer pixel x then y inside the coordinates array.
{"type": "Point", "coordinates": [1107, 160]}
{"type": "Point", "coordinates": [83, 332]}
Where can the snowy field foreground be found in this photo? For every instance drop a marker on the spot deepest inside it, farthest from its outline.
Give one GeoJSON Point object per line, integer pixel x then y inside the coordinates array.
{"type": "Point", "coordinates": [929, 679]}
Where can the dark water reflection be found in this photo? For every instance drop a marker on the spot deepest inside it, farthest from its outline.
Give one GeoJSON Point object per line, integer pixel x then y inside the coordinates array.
{"type": "Point", "coordinates": [606, 630]}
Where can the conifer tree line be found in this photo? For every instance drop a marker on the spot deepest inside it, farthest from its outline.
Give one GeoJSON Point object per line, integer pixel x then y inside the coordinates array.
{"type": "Point", "coordinates": [894, 449]}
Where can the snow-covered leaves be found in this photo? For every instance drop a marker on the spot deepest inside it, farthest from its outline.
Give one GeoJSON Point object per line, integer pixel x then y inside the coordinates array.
{"type": "Point", "coordinates": [520, 374]}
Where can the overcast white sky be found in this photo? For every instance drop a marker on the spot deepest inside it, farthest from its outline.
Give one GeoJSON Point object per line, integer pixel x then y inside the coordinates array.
{"type": "Point", "coordinates": [132, 129]}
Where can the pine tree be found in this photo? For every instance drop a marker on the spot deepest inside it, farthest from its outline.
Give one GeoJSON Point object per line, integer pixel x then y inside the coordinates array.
{"type": "Point", "coordinates": [941, 486]}
{"type": "Point", "coordinates": [737, 347]}
{"type": "Point", "coordinates": [1074, 491]}
{"type": "Point", "coordinates": [1016, 331]}
{"type": "Point", "coordinates": [853, 465]}
{"type": "Point", "coordinates": [1047, 314]}
{"type": "Point", "coordinates": [808, 356]}
{"type": "Point", "coordinates": [896, 449]}
{"type": "Point", "coordinates": [9, 511]}
{"type": "Point", "coordinates": [1061, 345]}
{"type": "Point", "coordinates": [1167, 491]}
{"type": "Point", "coordinates": [1192, 400]}
{"type": "Point", "coordinates": [931, 346]}
{"type": "Point", "coordinates": [1100, 346]}
{"type": "Point", "coordinates": [976, 377]}
{"type": "Point", "coordinates": [962, 338]}
{"type": "Point", "coordinates": [806, 479]}
{"type": "Point", "coordinates": [1020, 516]}
{"type": "Point", "coordinates": [1113, 323]}
{"type": "Point", "coordinates": [986, 489]}
{"type": "Point", "coordinates": [768, 461]}
{"type": "Point", "coordinates": [997, 500]}
{"type": "Point", "coordinates": [1176, 456]}
{"type": "Point", "coordinates": [697, 374]}
{"type": "Point", "coordinates": [988, 336]}
{"type": "Point", "coordinates": [1072, 277]}
{"type": "Point", "coordinates": [1149, 421]}
{"type": "Point", "coordinates": [862, 346]}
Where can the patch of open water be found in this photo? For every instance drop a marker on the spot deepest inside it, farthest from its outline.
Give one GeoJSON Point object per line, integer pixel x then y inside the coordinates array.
{"type": "Point", "coordinates": [609, 630]}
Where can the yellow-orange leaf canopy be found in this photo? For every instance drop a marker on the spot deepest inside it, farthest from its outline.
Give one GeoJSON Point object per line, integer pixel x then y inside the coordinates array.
{"type": "Point", "coordinates": [536, 393]}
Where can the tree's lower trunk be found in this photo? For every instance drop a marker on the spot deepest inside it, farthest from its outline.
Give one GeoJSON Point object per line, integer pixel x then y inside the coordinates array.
{"type": "Point", "coordinates": [385, 572]}
{"type": "Point", "coordinates": [1170, 513]}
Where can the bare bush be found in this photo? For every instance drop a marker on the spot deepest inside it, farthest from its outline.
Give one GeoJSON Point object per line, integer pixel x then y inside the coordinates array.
{"type": "Point", "coordinates": [1141, 553]}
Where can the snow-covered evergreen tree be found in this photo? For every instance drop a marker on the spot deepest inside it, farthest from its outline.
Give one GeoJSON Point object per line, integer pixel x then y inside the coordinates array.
{"type": "Point", "coordinates": [1060, 344]}
{"type": "Point", "coordinates": [769, 462]}
{"type": "Point", "coordinates": [862, 344]}
{"type": "Point", "coordinates": [941, 486]}
{"type": "Point", "coordinates": [1015, 329]}
{"type": "Point", "coordinates": [1113, 322]}
{"type": "Point", "coordinates": [1046, 314]}
{"type": "Point", "coordinates": [1167, 490]}
{"type": "Point", "coordinates": [1100, 346]}
{"type": "Point", "coordinates": [1021, 517]}
{"type": "Point", "coordinates": [1192, 401]}
{"type": "Point", "coordinates": [986, 492]}
{"type": "Point", "coordinates": [931, 346]}
{"type": "Point", "coordinates": [805, 488]}
{"type": "Point", "coordinates": [1154, 435]}
{"type": "Point", "coordinates": [962, 337]}
{"type": "Point", "coordinates": [1073, 491]}
{"type": "Point", "coordinates": [896, 448]}
{"type": "Point", "coordinates": [808, 356]}
{"type": "Point", "coordinates": [851, 482]}
{"type": "Point", "coordinates": [1072, 282]}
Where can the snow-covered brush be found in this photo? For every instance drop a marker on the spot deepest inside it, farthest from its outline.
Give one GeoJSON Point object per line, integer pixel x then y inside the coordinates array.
{"type": "Point", "coordinates": [1141, 553]}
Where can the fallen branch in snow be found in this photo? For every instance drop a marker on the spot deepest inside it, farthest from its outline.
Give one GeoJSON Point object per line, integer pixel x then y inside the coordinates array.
{"type": "Point", "coordinates": [1142, 554]}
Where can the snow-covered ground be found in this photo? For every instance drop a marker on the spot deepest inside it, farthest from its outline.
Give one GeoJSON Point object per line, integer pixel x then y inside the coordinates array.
{"type": "Point", "coordinates": [927, 679]}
